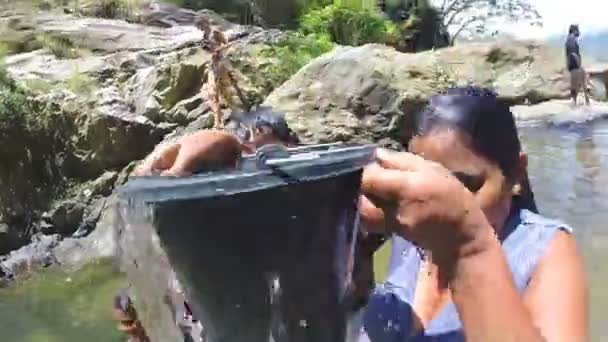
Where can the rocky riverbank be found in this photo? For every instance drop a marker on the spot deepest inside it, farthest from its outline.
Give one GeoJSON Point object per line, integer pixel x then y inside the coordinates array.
{"type": "Point", "coordinates": [120, 88]}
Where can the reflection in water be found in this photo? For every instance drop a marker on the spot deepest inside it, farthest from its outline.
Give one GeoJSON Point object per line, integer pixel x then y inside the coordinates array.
{"type": "Point", "coordinates": [568, 169]}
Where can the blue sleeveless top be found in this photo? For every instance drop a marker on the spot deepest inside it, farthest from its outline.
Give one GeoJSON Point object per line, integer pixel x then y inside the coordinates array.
{"type": "Point", "coordinates": [388, 315]}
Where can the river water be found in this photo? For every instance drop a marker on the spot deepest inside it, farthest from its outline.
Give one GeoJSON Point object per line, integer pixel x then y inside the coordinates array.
{"type": "Point", "coordinates": [569, 173]}
{"type": "Point", "coordinates": [567, 168]}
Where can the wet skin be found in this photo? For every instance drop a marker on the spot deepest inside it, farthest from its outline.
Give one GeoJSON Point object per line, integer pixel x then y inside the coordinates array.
{"type": "Point", "coordinates": [188, 154]}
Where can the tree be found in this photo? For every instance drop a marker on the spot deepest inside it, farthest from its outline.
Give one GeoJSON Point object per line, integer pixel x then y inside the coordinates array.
{"type": "Point", "coordinates": [474, 16]}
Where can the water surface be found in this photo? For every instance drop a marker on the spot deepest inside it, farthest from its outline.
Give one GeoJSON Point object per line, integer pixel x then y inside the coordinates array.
{"type": "Point", "coordinates": [54, 306]}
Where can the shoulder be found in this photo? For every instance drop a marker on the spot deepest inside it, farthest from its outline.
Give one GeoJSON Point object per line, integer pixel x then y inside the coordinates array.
{"type": "Point", "coordinates": [556, 294]}
{"type": "Point", "coordinates": [531, 220]}
{"type": "Point", "coordinates": [529, 240]}
{"type": "Point", "coordinates": [554, 237]}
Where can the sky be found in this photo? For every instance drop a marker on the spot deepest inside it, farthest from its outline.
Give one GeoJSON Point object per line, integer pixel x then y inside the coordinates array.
{"type": "Point", "coordinates": [591, 15]}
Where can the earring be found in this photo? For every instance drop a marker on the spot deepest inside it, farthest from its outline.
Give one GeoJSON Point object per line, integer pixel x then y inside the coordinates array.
{"type": "Point", "coordinates": [517, 189]}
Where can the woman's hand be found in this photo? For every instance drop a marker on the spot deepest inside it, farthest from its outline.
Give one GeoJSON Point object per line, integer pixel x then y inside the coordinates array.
{"type": "Point", "coordinates": [423, 202]}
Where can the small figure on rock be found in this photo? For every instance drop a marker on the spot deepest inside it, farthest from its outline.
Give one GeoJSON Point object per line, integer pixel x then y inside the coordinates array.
{"type": "Point", "coordinates": [221, 79]}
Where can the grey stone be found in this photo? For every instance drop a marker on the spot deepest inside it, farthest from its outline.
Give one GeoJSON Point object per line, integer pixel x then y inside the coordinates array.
{"type": "Point", "coordinates": [66, 216]}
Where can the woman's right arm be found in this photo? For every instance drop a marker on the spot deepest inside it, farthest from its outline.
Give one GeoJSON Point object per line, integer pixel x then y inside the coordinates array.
{"type": "Point", "coordinates": [425, 204]}
{"type": "Point", "coordinates": [488, 303]}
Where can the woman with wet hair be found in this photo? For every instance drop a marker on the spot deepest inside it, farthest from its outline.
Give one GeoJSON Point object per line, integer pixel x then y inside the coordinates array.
{"type": "Point", "coordinates": [471, 256]}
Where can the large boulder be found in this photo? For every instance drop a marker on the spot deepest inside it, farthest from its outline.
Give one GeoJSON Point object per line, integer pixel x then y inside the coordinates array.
{"type": "Point", "coordinates": [598, 77]}
{"type": "Point", "coordinates": [370, 93]}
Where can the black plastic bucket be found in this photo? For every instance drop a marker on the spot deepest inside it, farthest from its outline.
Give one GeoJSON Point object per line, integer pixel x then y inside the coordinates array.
{"type": "Point", "coordinates": [263, 253]}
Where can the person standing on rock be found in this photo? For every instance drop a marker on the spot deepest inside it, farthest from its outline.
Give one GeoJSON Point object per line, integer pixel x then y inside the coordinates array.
{"type": "Point", "coordinates": [578, 76]}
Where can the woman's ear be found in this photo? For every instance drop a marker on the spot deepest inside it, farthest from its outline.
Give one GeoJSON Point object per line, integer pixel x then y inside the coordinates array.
{"type": "Point", "coordinates": [521, 171]}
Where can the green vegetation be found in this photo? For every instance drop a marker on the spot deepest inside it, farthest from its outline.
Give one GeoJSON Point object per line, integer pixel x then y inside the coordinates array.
{"type": "Point", "coordinates": [289, 55]}
{"type": "Point", "coordinates": [320, 29]}
{"type": "Point", "coordinates": [443, 76]}
{"type": "Point", "coordinates": [80, 83]}
{"type": "Point", "coordinates": [128, 10]}
{"type": "Point", "coordinates": [32, 135]}
{"type": "Point", "coordinates": [59, 46]}
{"type": "Point", "coordinates": [352, 23]}
{"type": "Point", "coordinates": [13, 42]}
{"type": "Point", "coordinates": [348, 26]}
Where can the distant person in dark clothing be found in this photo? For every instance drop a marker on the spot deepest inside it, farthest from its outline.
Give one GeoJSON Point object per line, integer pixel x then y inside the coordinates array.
{"type": "Point", "coordinates": [578, 76]}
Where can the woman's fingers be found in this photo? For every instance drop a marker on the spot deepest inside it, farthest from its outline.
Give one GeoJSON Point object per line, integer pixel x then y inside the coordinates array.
{"type": "Point", "coordinates": [382, 185]}
{"type": "Point", "coordinates": [372, 217]}
{"type": "Point", "coordinates": [400, 160]}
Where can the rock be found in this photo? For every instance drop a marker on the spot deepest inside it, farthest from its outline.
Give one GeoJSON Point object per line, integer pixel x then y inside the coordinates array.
{"type": "Point", "coordinates": [7, 242]}
{"type": "Point", "coordinates": [203, 122]}
{"type": "Point", "coordinates": [123, 176]}
{"type": "Point", "coordinates": [598, 89]}
{"type": "Point", "coordinates": [185, 79]}
{"type": "Point", "coordinates": [598, 74]}
{"type": "Point", "coordinates": [559, 113]}
{"type": "Point", "coordinates": [105, 35]}
{"type": "Point", "coordinates": [112, 140]}
{"type": "Point", "coordinates": [100, 243]}
{"type": "Point", "coordinates": [44, 66]}
{"type": "Point", "coordinates": [167, 15]}
{"type": "Point", "coordinates": [350, 94]}
{"type": "Point", "coordinates": [111, 103]}
{"type": "Point", "coordinates": [158, 89]}
{"type": "Point", "coordinates": [128, 87]}
{"type": "Point", "coordinates": [66, 216]}
{"type": "Point", "coordinates": [37, 254]}
{"type": "Point", "coordinates": [45, 5]}
{"type": "Point", "coordinates": [370, 93]}
{"type": "Point", "coordinates": [186, 111]}
{"type": "Point", "coordinates": [104, 184]}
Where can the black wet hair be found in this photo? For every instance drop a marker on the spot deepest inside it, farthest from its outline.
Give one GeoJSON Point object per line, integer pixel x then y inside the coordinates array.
{"type": "Point", "coordinates": [276, 122]}
{"type": "Point", "coordinates": [262, 117]}
{"type": "Point", "coordinates": [478, 112]}
{"type": "Point", "coordinates": [573, 29]}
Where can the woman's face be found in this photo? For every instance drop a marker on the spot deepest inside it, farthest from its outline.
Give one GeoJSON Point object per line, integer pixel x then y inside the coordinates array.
{"type": "Point", "coordinates": [484, 178]}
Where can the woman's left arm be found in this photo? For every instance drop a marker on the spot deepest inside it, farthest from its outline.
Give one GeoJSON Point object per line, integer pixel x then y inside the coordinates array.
{"type": "Point", "coordinates": [557, 296]}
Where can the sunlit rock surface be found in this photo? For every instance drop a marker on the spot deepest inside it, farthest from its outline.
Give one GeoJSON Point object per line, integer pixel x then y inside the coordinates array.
{"type": "Point", "coordinates": [561, 112]}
